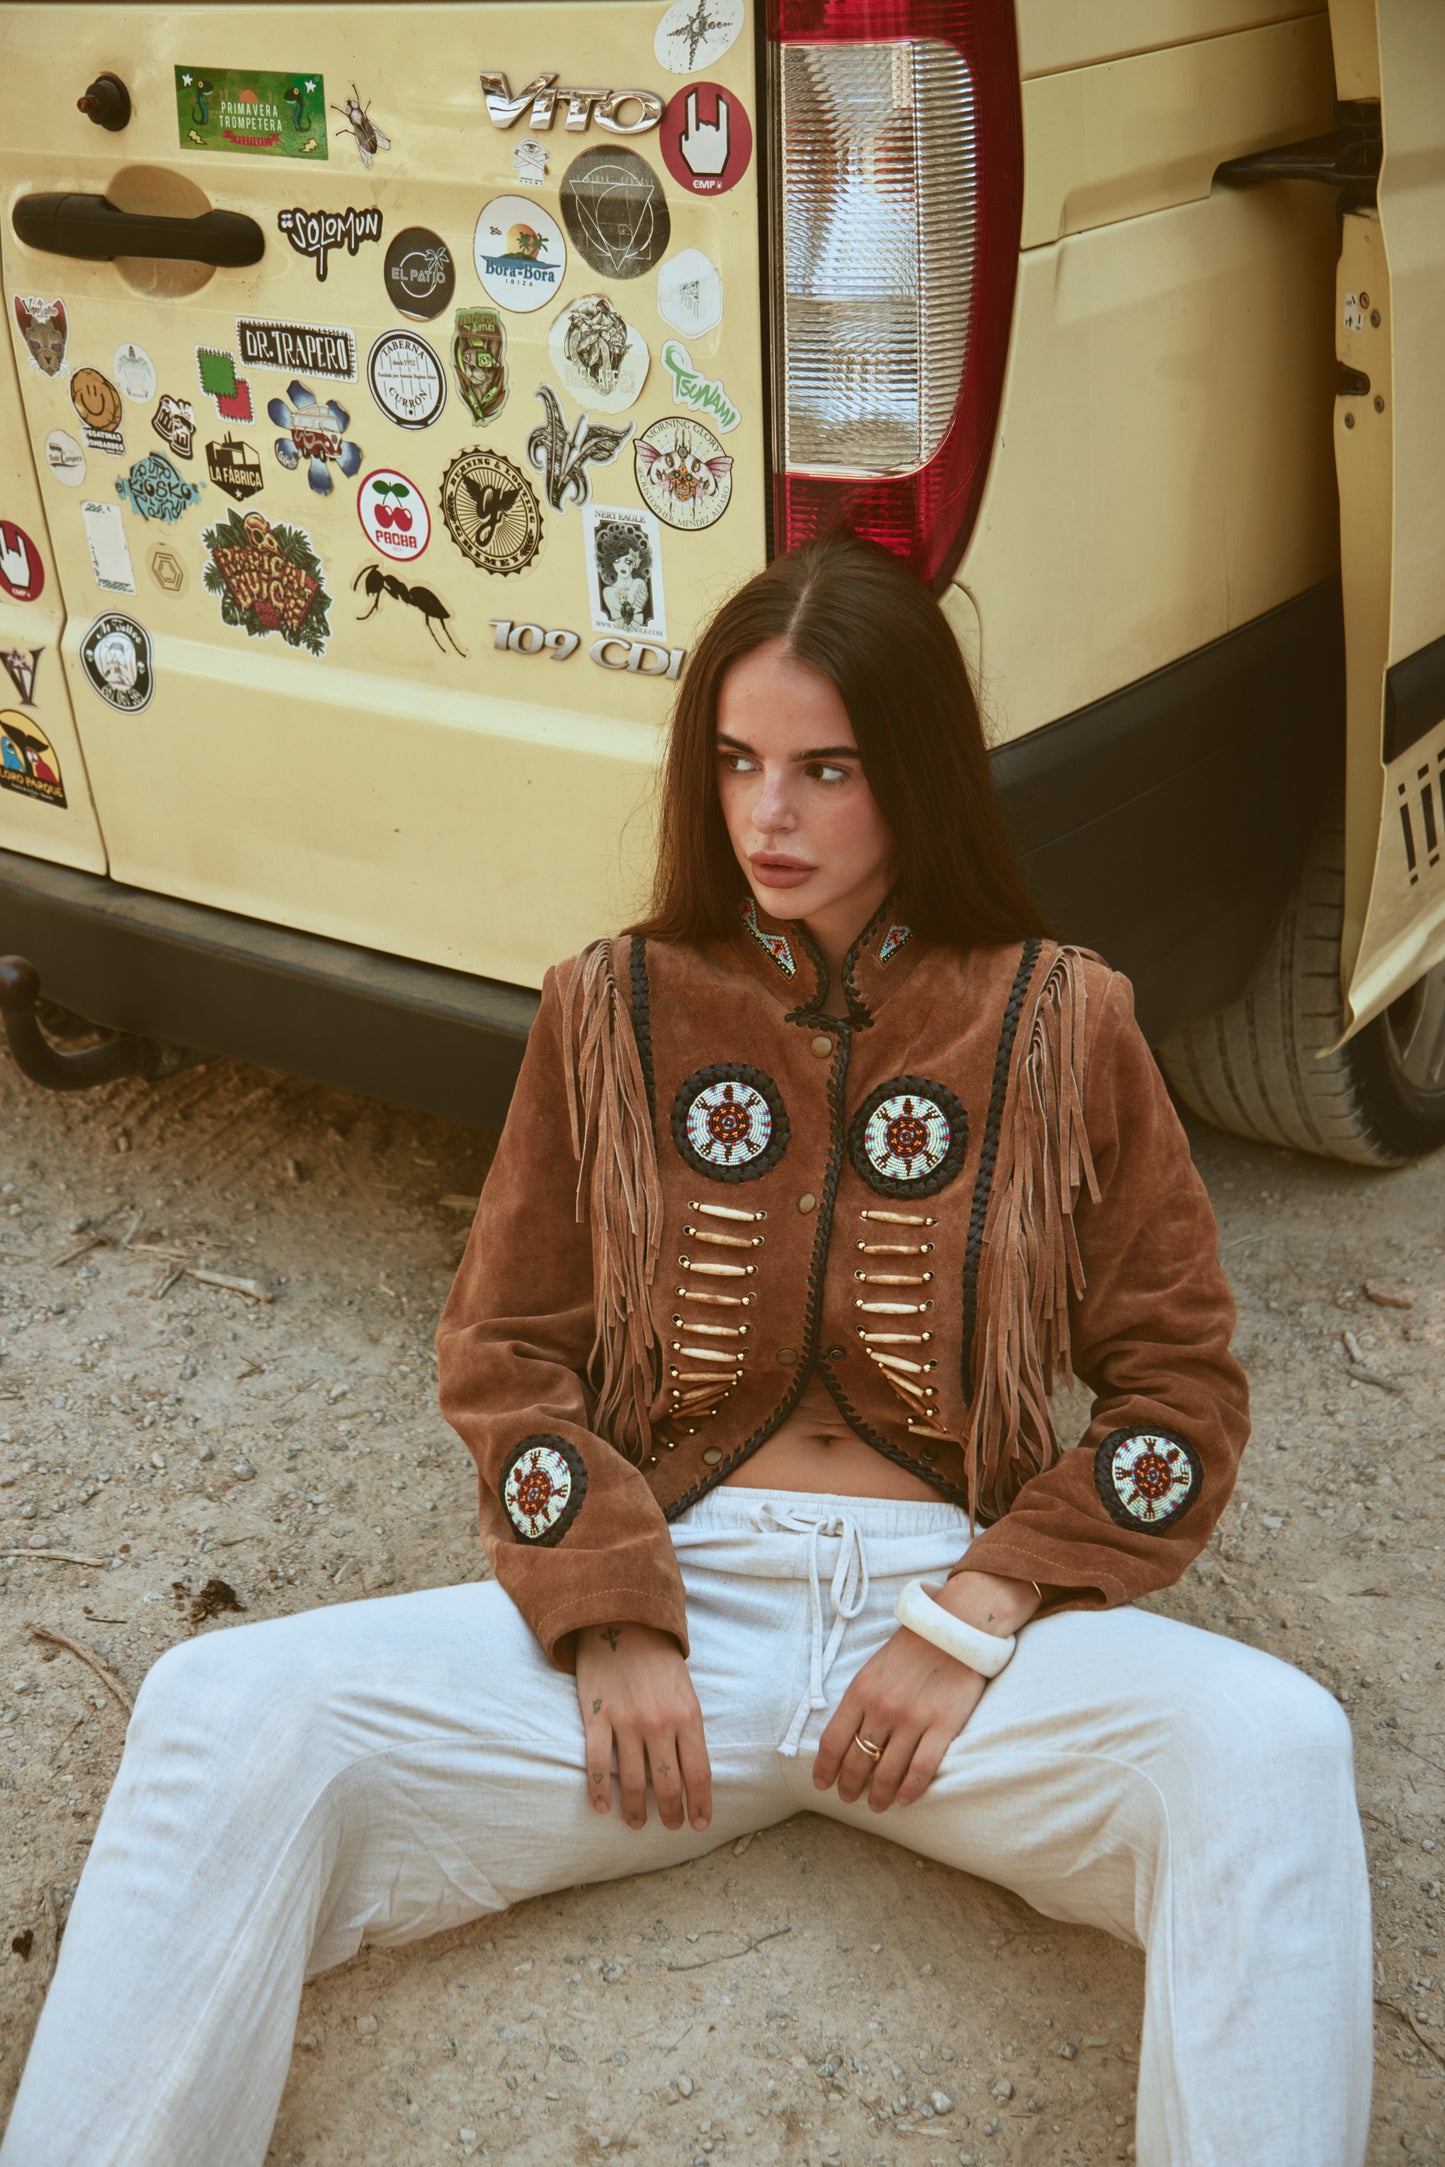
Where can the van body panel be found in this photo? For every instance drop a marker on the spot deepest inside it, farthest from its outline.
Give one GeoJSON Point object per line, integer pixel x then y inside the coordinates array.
{"type": "Point", "coordinates": [1056, 35]}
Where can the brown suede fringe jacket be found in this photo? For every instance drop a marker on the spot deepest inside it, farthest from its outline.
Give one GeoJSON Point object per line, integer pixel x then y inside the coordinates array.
{"type": "Point", "coordinates": [968, 1183]}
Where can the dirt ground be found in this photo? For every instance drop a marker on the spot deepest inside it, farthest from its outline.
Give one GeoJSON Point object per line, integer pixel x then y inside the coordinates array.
{"type": "Point", "coordinates": [811, 1995]}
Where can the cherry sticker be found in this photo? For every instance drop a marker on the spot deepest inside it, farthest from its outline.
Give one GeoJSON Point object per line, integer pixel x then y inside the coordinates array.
{"type": "Point", "coordinates": [22, 573]}
{"type": "Point", "coordinates": [393, 514]}
{"type": "Point", "coordinates": [706, 139]}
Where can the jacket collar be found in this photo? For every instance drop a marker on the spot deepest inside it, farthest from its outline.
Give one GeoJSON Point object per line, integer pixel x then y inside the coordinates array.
{"type": "Point", "coordinates": [783, 953]}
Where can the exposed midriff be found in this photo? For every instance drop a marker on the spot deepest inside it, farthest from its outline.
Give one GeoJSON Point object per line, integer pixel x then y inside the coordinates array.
{"type": "Point", "coordinates": [814, 1449]}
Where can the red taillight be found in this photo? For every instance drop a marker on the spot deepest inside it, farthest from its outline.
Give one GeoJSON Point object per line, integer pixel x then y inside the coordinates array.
{"type": "Point", "coordinates": [897, 192]}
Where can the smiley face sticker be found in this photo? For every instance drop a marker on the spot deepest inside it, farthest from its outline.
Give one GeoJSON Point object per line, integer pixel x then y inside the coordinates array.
{"type": "Point", "coordinates": [97, 402]}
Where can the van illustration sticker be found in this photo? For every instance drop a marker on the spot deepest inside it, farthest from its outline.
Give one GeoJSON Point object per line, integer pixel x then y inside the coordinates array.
{"type": "Point", "coordinates": [65, 458]}
{"type": "Point", "coordinates": [27, 760]}
{"type": "Point", "coordinates": [704, 394]}
{"type": "Point", "coordinates": [258, 111]}
{"type": "Point", "coordinates": [374, 582]}
{"type": "Point", "coordinates": [44, 329]}
{"type": "Point", "coordinates": [315, 433]}
{"type": "Point", "coordinates": [315, 233]}
{"type": "Point", "coordinates": [601, 359]}
{"type": "Point", "coordinates": [22, 569]}
{"type": "Point", "coordinates": [269, 579]}
{"type": "Point", "coordinates": [690, 293]}
{"type": "Point", "coordinates": [109, 551]}
{"type": "Point", "coordinates": [393, 514]}
{"type": "Point", "coordinates": [319, 349]}
{"type": "Point", "coordinates": [562, 455]}
{"type": "Point", "coordinates": [174, 422]}
{"type": "Point", "coordinates": [135, 372]}
{"type": "Point", "coordinates": [624, 562]}
{"type": "Point", "coordinates": [167, 570]}
{"type": "Point", "coordinates": [420, 274]}
{"type": "Point", "coordinates": [520, 253]}
{"type": "Point", "coordinates": [407, 379]}
{"type": "Point", "coordinates": [216, 369]}
{"type": "Point", "coordinates": [235, 468]}
{"type": "Point", "coordinates": [615, 210]}
{"type": "Point", "coordinates": [491, 511]}
{"type": "Point", "coordinates": [683, 473]}
{"type": "Point", "coordinates": [22, 669]}
{"type": "Point", "coordinates": [115, 654]}
{"type": "Point", "coordinates": [706, 138]}
{"type": "Point", "coordinates": [362, 130]}
{"type": "Point", "coordinates": [97, 402]}
{"type": "Point", "coordinates": [479, 360]}
{"type": "Point", "coordinates": [154, 489]}
{"type": "Point", "coordinates": [695, 33]}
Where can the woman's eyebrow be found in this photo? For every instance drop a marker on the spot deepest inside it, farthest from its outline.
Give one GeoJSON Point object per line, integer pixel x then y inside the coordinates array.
{"type": "Point", "coordinates": [819, 752]}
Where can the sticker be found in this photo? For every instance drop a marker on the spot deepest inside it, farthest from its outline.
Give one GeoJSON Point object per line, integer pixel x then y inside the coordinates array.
{"type": "Point", "coordinates": [690, 293]}
{"type": "Point", "coordinates": [562, 455]}
{"type": "Point", "coordinates": [217, 372]}
{"type": "Point", "coordinates": [729, 1122]}
{"type": "Point", "coordinates": [362, 130]}
{"type": "Point", "coordinates": [683, 473]}
{"type": "Point", "coordinates": [407, 379]}
{"type": "Point", "coordinates": [167, 570]}
{"type": "Point", "coordinates": [174, 422]}
{"type": "Point", "coordinates": [97, 402]}
{"type": "Point", "coordinates": [1146, 1479]}
{"type": "Point", "coordinates": [491, 511]}
{"type": "Point", "coordinates": [27, 760]}
{"type": "Point", "coordinates": [643, 657]}
{"type": "Point", "coordinates": [259, 111]}
{"type": "Point", "coordinates": [529, 162]}
{"type": "Point", "coordinates": [155, 490]}
{"type": "Point", "coordinates": [615, 210]}
{"type": "Point", "coordinates": [520, 253]}
{"type": "Point", "coordinates": [1354, 313]}
{"type": "Point", "coordinates": [65, 458]}
{"type": "Point", "coordinates": [315, 433]}
{"type": "Point", "coordinates": [544, 94]}
{"type": "Point", "coordinates": [109, 550]}
{"type": "Point", "coordinates": [908, 1138]}
{"type": "Point", "coordinates": [704, 394]}
{"type": "Point", "coordinates": [235, 468]}
{"type": "Point", "coordinates": [375, 582]}
{"type": "Point", "coordinates": [315, 233]}
{"type": "Point", "coordinates": [601, 359]}
{"type": "Point", "coordinates": [624, 558]}
{"type": "Point", "coordinates": [479, 359]}
{"type": "Point", "coordinates": [695, 33]}
{"type": "Point", "coordinates": [543, 1483]}
{"type": "Point", "coordinates": [706, 138]}
{"type": "Point", "coordinates": [393, 514]}
{"type": "Point", "coordinates": [319, 349]}
{"type": "Point", "coordinates": [115, 655]}
{"type": "Point", "coordinates": [509, 638]}
{"type": "Point", "coordinates": [22, 571]}
{"type": "Point", "coordinates": [135, 372]}
{"type": "Point", "coordinates": [420, 275]}
{"type": "Point", "coordinates": [269, 579]}
{"type": "Point", "coordinates": [22, 669]}
{"type": "Point", "coordinates": [44, 329]}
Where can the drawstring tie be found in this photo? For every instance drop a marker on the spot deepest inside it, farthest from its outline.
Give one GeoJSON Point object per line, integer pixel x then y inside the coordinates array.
{"type": "Point", "coordinates": [848, 1592]}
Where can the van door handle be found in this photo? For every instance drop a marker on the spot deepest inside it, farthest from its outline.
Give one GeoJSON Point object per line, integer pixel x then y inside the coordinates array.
{"type": "Point", "coordinates": [94, 229]}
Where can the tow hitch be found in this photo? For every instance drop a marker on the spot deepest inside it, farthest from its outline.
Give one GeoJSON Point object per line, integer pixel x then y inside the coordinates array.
{"type": "Point", "coordinates": [123, 1054]}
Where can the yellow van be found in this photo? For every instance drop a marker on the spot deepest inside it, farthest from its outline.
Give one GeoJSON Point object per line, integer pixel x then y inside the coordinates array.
{"type": "Point", "coordinates": [393, 391]}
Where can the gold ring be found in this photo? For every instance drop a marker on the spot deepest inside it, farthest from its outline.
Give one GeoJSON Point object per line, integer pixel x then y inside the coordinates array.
{"type": "Point", "coordinates": [874, 1753]}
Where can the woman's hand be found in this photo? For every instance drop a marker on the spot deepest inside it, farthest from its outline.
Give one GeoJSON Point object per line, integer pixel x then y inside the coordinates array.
{"type": "Point", "coordinates": [633, 1688]}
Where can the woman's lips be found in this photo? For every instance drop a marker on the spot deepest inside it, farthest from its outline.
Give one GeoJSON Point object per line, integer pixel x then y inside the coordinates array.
{"type": "Point", "coordinates": [779, 875]}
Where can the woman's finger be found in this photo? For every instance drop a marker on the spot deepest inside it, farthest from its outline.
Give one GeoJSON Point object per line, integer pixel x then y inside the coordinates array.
{"type": "Point", "coordinates": [696, 1768]}
{"type": "Point", "coordinates": [597, 1746]}
{"type": "Point", "coordinates": [663, 1767]}
{"type": "Point", "coordinates": [632, 1777]}
{"type": "Point", "coordinates": [927, 1758]}
{"type": "Point", "coordinates": [891, 1770]}
{"type": "Point", "coordinates": [838, 1734]}
{"type": "Point", "coordinates": [859, 1767]}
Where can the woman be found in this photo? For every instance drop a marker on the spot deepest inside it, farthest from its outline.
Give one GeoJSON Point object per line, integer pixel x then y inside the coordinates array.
{"type": "Point", "coordinates": [809, 1188]}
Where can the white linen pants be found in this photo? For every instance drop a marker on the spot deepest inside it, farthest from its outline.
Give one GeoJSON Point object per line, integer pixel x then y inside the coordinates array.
{"type": "Point", "coordinates": [377, 1771]}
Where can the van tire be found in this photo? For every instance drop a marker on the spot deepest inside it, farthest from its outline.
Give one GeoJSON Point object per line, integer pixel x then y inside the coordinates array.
{"type": "Point", "coordinates": [1255, 1068]}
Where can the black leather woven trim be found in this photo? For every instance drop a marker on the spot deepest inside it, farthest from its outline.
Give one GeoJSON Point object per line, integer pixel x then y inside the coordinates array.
{"type": "Point", "coordinates": [642, 1018]}
{"type": "Point", "coordinates": [576, 1468]}
{"type": "Point", "coordinates": [737, 1072]}
{"type": "Point", "coordinates": [917, 1087]}
{"type": "Point", "coordinates": [1108, 1489]}
{"type": "Point", "coordinates": [988, 1155]}
{"type": "Point", "coordinates": [857, 1007]}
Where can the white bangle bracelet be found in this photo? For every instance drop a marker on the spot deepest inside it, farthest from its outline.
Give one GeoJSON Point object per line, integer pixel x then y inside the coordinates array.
{"type": "Point", "coordinates": [987, 1653]}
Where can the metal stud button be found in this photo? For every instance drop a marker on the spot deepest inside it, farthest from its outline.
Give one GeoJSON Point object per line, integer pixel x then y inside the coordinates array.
{"type": "Point", "coordinates": [712, 1455]}
{"type": "Point", "coordinates": [822, 1047]}
{"type": "Point", "coordinates": [787, 1354]}
{"type": "Point", "coordinates": [807, 1201]}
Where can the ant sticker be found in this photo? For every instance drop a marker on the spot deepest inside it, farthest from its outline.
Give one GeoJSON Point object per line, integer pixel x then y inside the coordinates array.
{"type": "Point", "coordinates": [375, 582]}
{"type": "Point", "coordinates": [362, 129]}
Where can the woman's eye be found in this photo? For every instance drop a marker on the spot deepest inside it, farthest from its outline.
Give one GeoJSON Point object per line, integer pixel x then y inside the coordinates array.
{"type": "Point", "coordinates": [737, 763]}
{"type": "Point", "coordinates": [827, 773]}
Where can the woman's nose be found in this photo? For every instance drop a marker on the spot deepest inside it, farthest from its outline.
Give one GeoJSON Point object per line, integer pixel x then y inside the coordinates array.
{"type": "Point", "coordinates": [772, 807]}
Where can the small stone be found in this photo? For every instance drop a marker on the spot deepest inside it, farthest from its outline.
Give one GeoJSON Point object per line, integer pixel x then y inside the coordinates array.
{"type": "Point", "coordinates": [926, 1971]}
{"type": "Point", "coordinates": [990, 2127]}
{"type": "Point", "coordinates": [1003, 2089]}
{"type": "Point", "coordinates": [684, 2085]}
{"type": "Point", "coordinates": [244, 1471]}
{"type": "Point", "coordinates": [1389, 1297]}
{"type": "Point", "coordinates": [518, 1969]}
{"type": "Point", "coordinates": [205, 1452]}
{"type": "Point", "coordinates": [366, 2026]}
{"type": "Point", "coordinates": [1068, 2050]}
{"type": "Point", "coordinates": [940, 2102]}
{"type": "Point", "coordinates": [466, 2136]}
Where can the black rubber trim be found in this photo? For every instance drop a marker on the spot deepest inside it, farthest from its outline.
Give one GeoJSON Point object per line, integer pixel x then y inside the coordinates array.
{"type": "Point", "coordinates": [642, 1019]}
{"type": "Point", "coordinates": [916, 1087]}
{"type": "Point", "coordinates": [1113, 1503]}
{"type": "Point", "coordinates": [988, 1155]}
{"type": "Point", "coordinates": [1414, 698]}
{"type": "Point", "coordinates": [576, 1468]}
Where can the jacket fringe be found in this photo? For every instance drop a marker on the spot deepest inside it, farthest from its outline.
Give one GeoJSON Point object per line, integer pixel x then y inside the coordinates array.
{"type": "Point", "coordinates": [1031, 1256]}
{"type": "Point", "coordinates": [617, 1164]}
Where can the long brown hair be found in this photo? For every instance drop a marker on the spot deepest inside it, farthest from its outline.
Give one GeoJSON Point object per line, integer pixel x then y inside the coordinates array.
{"type": "Point", "coordinates": [852, 611]}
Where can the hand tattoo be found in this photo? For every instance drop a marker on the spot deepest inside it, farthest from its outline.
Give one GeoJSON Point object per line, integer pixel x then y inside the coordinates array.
{"type": "Point", "coordinates": [609, 1633]}
{"type": "Point", "coordinates": [597, 1707]}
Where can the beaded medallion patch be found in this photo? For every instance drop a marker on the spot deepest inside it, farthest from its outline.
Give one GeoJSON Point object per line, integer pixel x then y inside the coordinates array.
{"type": "Point", "coordinates": [729, 1122]}
{"type": "Point", "coordinates": [543, 1484]}
{"type": "Point", "coordinates": [908, 1137]}
{"type": "Point", "coordinates": [1146, 1478]}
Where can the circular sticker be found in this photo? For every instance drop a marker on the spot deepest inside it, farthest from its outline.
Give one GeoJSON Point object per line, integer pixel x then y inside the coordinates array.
{"type": "Point", "coordinates": [95, 399]}
{"type": "Point", "coordinates": [167, 570]}
{"type": "Point", "coordinates": [600, 359]}
{"type": "Point", "coordinates": [706, 138]}
{"type": "Point", "coordinates": [729, 1122]}
{"type": "Point", "coordinates": [115, 655]}
{"type": "Point", "coordinates": [135, 372]}
{"type": "Point", "coordinates": [407, 379]}
{"type": "Point", "coordinates": [908, 1137]}
{"type": "Point", "coordinates": [22, 572]}
{"type": "Point", "coordinates": [1146, 1478]}
{"type": "Point", "coordinates": [695, 33]}
{"type": "Point", "coordinates": [420, 275]}
{"type": "Point", "coordinates": [683, 473]}
{"type": "Point", "coordinates": [520, 253]}
{"type": "Point", "coordinates": [491, 511]}
{"type": "Point", "coordinates": [65, 458]}
{"type": "Point", "coordinates": [615, 209]}
{"type": "Point", "coordinates": [689, 292]}
{"type": "Point", "coordinates": [393, 514]}
{"type": "Point", "coordinates": [543, 1483]}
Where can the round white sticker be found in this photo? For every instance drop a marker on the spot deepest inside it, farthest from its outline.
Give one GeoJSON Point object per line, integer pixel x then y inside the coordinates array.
{"type": "Point", "coordinates": [695, 33]}
{"type": "Point", "coordinates": [393, 514]}
{"type": "Point", "coordinates": [520, 253]}
{"type": "Point", "coordinates": [689, 292]}
{"type": "Point", "coordinates": [600, 359]}
{"type": "Point", "coordinates": [407, 380]}
{"type": "Point", "coordinates": [65, 458]}
{"type": "Point", "coordinates": [135, 372]}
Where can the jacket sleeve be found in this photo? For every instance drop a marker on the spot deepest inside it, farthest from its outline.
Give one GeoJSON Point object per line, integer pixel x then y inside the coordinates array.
{"type": "Point", "coordinates": [570, 1527]}
{"type": "Point", "coordinates": [1129, 1507]}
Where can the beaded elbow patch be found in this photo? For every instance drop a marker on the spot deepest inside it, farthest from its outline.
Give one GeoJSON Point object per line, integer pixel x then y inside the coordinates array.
{"type": "Point", "coordinates": [543, 1484]}
{"type": "Point", "coordinates": [1147, 1479]}
{"type": "Point", "coordinates": [729, 1122]}
{"type": "Point", "coordinates": [908, 1137]}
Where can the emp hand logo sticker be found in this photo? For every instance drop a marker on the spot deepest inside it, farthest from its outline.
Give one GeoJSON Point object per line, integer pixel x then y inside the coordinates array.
{"type": "Point", "coordinates": [316, 433]}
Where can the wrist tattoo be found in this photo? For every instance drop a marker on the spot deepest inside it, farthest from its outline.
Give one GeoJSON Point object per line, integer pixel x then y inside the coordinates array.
{"type": "Point", "coordinates": [609, 1633]}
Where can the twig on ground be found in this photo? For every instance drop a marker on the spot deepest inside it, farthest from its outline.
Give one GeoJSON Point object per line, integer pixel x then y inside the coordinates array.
{"type": "Point", "coordinates": [249, 1287]}
{"type": "Point", "coordinates": [728, 1956]}
{"type": "Point", "coordinates": [166, 1279]}
{"type": "Point", "coordinates": [59, 1557]}
{"type": "Point", "coordinates": [1406, 2018]}
{"type": "Point", "coordinates": [106, 1676]}
{"type": "Point", "coordinates": [81, 1248]}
